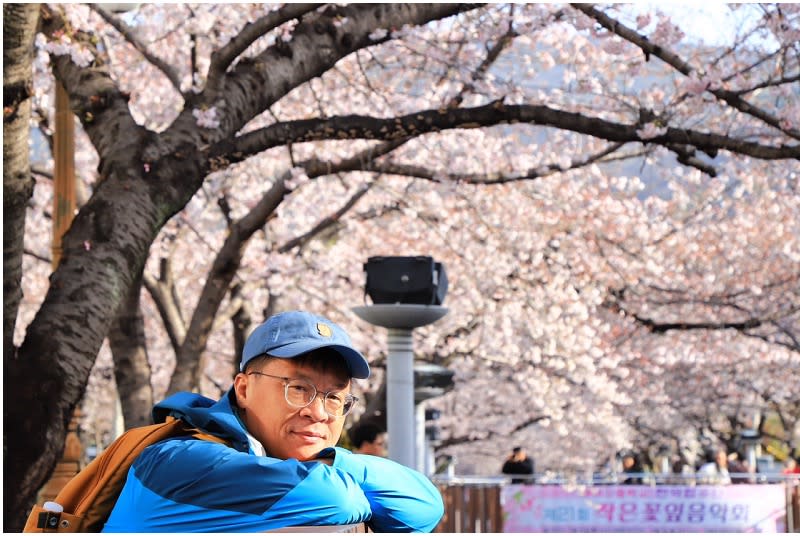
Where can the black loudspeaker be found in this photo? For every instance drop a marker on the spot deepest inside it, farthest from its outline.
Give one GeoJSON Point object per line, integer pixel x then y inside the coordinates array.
{"type": "Point", "coordinates": [417, 280]}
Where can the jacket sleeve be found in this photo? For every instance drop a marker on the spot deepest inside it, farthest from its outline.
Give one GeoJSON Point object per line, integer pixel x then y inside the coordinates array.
{"type": "Point", "coordinates": [401, 499]}
{"type": "Point", "coordinates": [187, 485]}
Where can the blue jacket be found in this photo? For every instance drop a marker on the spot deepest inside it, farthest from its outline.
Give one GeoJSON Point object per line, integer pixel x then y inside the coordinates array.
{"type": "Point", "coordinates": [191, 485]}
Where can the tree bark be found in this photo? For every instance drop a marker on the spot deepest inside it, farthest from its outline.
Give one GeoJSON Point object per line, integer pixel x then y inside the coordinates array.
{"type": "Point", "coordinates": [19, 482]}
{"type": "Point", "coordinates": [131, 366]}
{"type": "Point", "coordinates": [145, 179]}
{"type": "Point", "coordinates": [19, 29]}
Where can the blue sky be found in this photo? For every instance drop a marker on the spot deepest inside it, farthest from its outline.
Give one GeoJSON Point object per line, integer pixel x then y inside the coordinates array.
{"type": "Point", "coordinates": [715, 23]}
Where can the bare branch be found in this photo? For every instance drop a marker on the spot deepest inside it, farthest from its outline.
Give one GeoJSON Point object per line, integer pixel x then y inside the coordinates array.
{"type": "Point", "coordinates": [162, 290]}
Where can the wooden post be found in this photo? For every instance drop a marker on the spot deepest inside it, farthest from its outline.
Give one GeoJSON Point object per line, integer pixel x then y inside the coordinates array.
{"type": "Point", "coordinates": [63, 212]}
{"type": "Point", "coordinates": [63, 172]}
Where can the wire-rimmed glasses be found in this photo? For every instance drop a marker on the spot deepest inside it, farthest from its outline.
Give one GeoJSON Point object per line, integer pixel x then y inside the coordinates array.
{"type": "Point", "coordinates": [300, 393]}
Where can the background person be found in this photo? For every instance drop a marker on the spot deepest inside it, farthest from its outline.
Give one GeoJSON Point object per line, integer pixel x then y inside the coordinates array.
{"type": "Point", "coordinates": [715, 470]}
{"type": "Point", "coordinates": [368, 438]}
{"type": "Point", "coordinates": [281, 419]}
{"type": "Point", "coordinates": [739, 469]}
{"type": "Point", "coordinates": [791, 466]}
{"type": "Point", "coordinates": [632, 467]}
{"type": "Point", "coordinates": [518, 463]}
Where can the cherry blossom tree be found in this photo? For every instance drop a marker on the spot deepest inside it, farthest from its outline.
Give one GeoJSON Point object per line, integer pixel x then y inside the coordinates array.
{"type": "Point", "coordinates": [617, 211]}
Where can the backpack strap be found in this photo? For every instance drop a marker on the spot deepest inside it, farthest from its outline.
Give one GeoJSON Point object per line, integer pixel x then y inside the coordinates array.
{"type": "Point", "coordinates": [197, 433]}
{"type": "Point", "coordinates": [86, 501]}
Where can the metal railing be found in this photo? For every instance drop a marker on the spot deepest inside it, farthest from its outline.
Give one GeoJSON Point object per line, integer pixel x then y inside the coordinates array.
{"type": "Point", "coordinates": [356, 527]}
{"type": "Point", "coordinates": [472, 503]}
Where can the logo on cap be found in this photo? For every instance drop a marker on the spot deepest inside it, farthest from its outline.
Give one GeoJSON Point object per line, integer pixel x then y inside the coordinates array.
{"type": "Point", "coordinates": [324, 329]}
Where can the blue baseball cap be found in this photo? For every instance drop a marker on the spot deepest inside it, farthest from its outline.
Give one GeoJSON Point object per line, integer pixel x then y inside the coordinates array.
{"type": "Point", "coordinates": [294, 333]}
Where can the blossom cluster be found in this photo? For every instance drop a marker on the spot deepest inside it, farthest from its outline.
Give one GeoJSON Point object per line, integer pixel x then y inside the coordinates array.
{"type": "Point", "coordinates": [63, 45]}
{"type": "Point", "coordinates": [206, 118]}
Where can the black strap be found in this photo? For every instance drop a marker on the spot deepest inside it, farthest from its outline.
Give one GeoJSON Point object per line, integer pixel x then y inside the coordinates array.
{"type": "Point", "coordinates": [48, 520]}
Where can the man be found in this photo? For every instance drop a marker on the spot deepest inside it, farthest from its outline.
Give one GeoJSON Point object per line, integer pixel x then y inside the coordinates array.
{"type": "Point", "coordinates": [632, 465]}
{"type": "Point", "coordinates": [368, 438]}
{"type": "Point", "coordinates": [280, 467]}
{"type": "Point", "coordinates": [518, 463]}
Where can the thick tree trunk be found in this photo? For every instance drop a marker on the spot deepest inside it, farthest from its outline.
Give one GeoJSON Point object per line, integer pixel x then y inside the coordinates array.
{"type": "Point", "coordinates": [131, 366]}
{"type": "Point", "coordinates": [47, 379]}
{"type": "Point", "coordinates": [19, 26]}
{"type": "Point", "coordinates": [19, 29]}
{"type": "Point", "coordinates": [145, 178]}
{"type": "Point", "coordinates": [103, 254]}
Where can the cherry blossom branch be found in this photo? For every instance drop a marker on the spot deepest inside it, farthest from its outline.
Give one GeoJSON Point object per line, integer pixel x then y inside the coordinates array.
{"type": "Point", "coordinates": [94, 98]}
{"type": "Point", "coordinates": [793, 342]}
{"type": "Point", "coordinates": [768, 83]}
{"type": "Point", "coordinates": [649, 48]}
{"type": "Point", "coordinates": [327, 221]}
{"type": "Point", "coordinates": [663, 327]}
{"type": "Point", "coordinates": [194, 69]}
{"type": "Point", "coordinates": [37, 256]}
{"type": "Point", "coordinates": [224, 57]}
{"type": "Point", "coordinates": [359, 162]}
{"type": "Point", "coordinates": [365, 160]}
{"type": "Point", "coordinates": [745, 327]}
{"type": "Point", "coordinates": [231, 310]}
{"type": "Point", "coordinates": [316, 45]}
{"type": "Point", "coordinates": [120, 25]}
{"type": "Point", "coordinates": [222, 272]}
{"type": "Point", "coordinates": [489, 179]}
{"type": "Point", "coordinates": [495, 113]}
{"type": "Point", "coordinates": [491, 57]}
{"type": "Point", "coordinates": [489, 434]}
{"type": "Point", "coordinates": [687, 156]}
{"type": "Point", "coordinates": [221, 389]}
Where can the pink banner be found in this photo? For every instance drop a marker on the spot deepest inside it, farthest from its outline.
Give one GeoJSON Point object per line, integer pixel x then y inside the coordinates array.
{"type": "Point", "coordinates": [556, 508]}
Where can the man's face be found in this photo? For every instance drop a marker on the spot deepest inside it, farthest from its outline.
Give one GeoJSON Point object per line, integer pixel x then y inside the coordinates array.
{"type": "Point", "coordinates": [284, 430]}
{"type": "Point", "coordinates": [375, 448]}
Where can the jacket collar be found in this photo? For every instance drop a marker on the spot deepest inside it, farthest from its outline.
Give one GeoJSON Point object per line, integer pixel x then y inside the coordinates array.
{"type": "Point", "coordinates": [217, 418]}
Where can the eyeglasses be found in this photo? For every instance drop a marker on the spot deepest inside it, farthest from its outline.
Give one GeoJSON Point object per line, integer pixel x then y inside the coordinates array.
{"type": "Point", "coordinates": [301, 393]}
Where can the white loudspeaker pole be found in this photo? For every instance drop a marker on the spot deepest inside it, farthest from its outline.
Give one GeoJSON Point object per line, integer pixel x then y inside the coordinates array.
{"type": "Point", "coordinates": [400, 319]}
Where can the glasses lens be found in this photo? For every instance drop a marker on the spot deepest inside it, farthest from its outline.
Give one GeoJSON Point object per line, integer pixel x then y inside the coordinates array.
{"type": "Point", "coordinates": [339, 404]}
{"type": "Point", "coordinates": [349, 402]}
{"type": "Point", "coordinates": [300, 393]}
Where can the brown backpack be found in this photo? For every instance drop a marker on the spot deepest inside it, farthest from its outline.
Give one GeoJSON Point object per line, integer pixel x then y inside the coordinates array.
{"type": "Point", "coordinates": [87, 499]}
